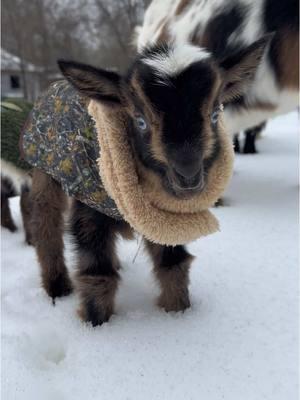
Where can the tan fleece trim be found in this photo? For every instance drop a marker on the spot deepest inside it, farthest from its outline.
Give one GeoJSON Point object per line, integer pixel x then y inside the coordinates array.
{"type": "Point", "coordinates": [157, 215]}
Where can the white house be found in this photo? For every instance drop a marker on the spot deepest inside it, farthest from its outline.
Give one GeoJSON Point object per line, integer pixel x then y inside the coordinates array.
{"type": "Point", "coordinates": [11, 77]}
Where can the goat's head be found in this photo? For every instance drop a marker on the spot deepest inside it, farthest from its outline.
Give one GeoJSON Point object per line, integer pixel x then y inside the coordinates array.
{"type": "Point", "coordinates": [172, 96]}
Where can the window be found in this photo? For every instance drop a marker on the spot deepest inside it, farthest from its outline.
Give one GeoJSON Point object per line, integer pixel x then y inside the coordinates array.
{"type": "Point", "coordinates": [15, 82]}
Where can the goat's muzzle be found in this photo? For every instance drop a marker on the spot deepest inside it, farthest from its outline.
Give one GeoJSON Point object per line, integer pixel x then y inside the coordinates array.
{"type": "Point", "coordinates": [187, 178]}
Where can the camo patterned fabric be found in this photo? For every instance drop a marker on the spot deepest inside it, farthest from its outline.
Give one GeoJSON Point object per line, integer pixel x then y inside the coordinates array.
{"type": "Point", "coordinates": [60, 139]}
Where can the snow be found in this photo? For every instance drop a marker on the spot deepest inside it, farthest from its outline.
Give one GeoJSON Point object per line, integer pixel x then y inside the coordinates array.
{"type": "Point", "coordinates": [238, 341]}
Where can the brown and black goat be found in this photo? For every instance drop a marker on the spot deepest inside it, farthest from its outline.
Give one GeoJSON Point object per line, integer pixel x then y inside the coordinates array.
{"type": "Point", "coordinates": [172, 97]}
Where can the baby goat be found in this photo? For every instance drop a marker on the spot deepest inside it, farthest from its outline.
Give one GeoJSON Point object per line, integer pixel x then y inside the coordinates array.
{"type": "Point", "coordinates": [172, 97]}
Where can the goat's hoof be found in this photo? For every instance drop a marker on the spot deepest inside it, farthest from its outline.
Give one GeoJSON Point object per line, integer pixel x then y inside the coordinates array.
{"type": "Point", "coordinates": [172, 303]}
{"type": "Point", "coordinates": [93, 313]}
{"type": "Point", "coordinates": [59, 286]}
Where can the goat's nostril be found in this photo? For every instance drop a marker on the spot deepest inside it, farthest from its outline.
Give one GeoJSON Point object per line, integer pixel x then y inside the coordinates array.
{"type": "Point", "coordinates": [187, 173]}
{"type": "Point", "coordinates": [190, 182]}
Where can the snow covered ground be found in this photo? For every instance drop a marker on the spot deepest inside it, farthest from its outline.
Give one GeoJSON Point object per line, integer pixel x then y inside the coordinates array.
{"type": "Point", "coordinates": [239, 341]}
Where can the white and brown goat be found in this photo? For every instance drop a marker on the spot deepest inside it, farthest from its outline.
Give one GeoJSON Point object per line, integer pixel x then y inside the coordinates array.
{"type": "Point", "coordinates": [221, 28]}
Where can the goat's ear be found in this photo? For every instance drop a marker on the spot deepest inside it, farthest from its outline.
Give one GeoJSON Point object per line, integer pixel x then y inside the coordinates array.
{"type": "Point", "coordinates": [239, 68]}
{"type": "Point", "coordinates": [94, 83]}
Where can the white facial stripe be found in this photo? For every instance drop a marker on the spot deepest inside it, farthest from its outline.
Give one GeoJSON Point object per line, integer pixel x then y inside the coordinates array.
{"type": "Point", "coordinates": [176, 59]}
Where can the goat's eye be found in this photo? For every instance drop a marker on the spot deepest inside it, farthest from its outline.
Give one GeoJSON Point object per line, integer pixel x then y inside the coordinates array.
{"type": "Point", "coordinates": [215, 114]}
{"type": "Point", "coordinates": [141, 123]}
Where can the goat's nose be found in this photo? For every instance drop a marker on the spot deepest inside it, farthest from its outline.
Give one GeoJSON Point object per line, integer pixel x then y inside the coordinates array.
{"type": "Point", "coordinates": [188, 176]}
{"type": "Point", "coordinates": [187, 170]}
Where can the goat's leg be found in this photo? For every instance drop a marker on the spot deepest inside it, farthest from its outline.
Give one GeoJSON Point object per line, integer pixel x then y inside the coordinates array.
{"type": "Point", "coordinates": [97, 277]}
{"type": "Point", "coordinates": [47, 226]}
{"type": "Point", "coordinates": [236, 143]}
{"type": "Point", "coordinates": [7, 191]}
{"type": "Point", "coordinates": [26, 211]}
{"type": "Point", "coordinates": [250, 138]}
{"type": "Point", "coordinates": [171, 268]}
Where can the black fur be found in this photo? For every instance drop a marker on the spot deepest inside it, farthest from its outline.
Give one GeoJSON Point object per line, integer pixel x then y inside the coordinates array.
{"type": "Point", "coordinates": [179, 102]}
{"type": "Point", "coordinates": [7, 187]}
{"type": "Point", "coordinates": [59, 286]}
{"type": "Point", "coordinates": [173, 256]}
{"type": "Point", "coordinates": [280, 14]}
{"type": "Point", "coordinates": [7, 190]}
{"type": "Point", "coordinates": [95, 315]}
{"type": "Point", "coordinates": [236, 143]}
{"type": "Point", "coordinates": [221, 26]}
{"type": "Point", "coordinates": [250, 138]}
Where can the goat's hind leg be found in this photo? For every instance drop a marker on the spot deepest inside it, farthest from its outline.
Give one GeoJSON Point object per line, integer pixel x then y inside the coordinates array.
{"type": "Point", "coordinates": [7, 191]}
{"type": "Point", "coordinates": [47, 227]}
{"type": "Point", "coordinates": [97, 276]}
{"type": "Point", "coordinates": [171, 268]}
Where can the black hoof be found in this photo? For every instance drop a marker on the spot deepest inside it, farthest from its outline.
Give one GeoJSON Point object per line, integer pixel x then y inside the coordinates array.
{"type": "Point", "coordinates": [59, 287]}
{"type": "Point", "coordinates": [94, 314]}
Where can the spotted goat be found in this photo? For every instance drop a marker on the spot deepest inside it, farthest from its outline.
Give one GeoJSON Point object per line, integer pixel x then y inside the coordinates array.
{"type": "Point", "coordinates": [221, 28]}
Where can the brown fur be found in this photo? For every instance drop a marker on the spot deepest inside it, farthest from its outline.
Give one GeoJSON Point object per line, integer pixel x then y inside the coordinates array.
{"type": "Point", "coordinates": [97, 277]}
{"type": "Point", "coordinates": [173, 280]}
{"type": "Point", "coordinates": [97, 293]}
{"type": "Point", "coordinates": [182, 5]}
{"type": "Point", "coordinates": [153, 118]}
{"type": "Point", "coordinates": [207, 135]}
{"type": "Point", "coordinates": [49, 201]}
{"type": "Point", "coordinates": [288, 59]}
{"type": "Point", "coordinates": [164, 35]}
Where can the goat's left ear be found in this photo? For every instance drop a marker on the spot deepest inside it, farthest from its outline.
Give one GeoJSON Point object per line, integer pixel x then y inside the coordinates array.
{"type": "Point", "coordinates": [94, 83]}
{"type": "Point", "coordinates": [239, 68]}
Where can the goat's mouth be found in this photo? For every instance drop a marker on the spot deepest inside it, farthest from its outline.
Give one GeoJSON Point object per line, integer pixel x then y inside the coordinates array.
{"type": "Point", "coordinates": [185, 190]}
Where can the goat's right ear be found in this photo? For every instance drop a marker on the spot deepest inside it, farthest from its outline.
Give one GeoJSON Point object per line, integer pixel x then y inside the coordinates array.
{"type": "Point", "coordinates": [94, 83]}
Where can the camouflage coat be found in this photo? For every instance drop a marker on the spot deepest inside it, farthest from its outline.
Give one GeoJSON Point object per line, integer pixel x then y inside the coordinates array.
{"type": "Point", "coordinates": [60, 139]}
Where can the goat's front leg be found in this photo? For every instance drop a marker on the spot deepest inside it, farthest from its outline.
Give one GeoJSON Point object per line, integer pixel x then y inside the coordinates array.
{"type": "Point", "coordinates": [48, 203]}
{"type": "Point", "coordinates": [171, 268]}
{"type": "Point", "coordinates": [97, 277]}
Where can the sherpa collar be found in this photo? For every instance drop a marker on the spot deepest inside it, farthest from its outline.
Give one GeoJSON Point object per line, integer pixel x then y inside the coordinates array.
{"type": "Point", "coordinates": [155, 214]}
